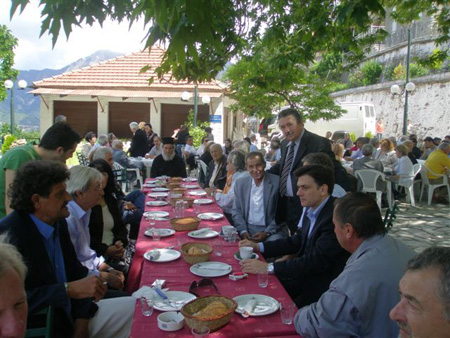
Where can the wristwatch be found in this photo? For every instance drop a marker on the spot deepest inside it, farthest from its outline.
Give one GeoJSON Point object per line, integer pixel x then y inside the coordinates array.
{"type": "Point", "coordinates": [270, 269]}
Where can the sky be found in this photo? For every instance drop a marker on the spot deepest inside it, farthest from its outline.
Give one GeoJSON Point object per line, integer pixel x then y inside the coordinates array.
{"type": "Point", "coordinates": [33, 52]}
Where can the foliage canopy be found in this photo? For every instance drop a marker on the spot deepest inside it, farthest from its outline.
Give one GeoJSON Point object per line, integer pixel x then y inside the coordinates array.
{"type": "Point", "coordinates": [7, 44]}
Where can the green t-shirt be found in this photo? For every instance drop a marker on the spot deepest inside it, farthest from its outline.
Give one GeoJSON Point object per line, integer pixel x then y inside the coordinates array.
{"type": "Point", "coordinates": [12, 160]}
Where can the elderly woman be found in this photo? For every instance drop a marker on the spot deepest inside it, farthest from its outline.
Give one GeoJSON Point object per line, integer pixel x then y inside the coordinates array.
{"type": "Point", "coordinates": [235, 170]}
{"type": "Point", "coordinates": [404, 169]}
{"type": "Point", "coordinates": [387, 154]}
{"type": "Point", "coordinates": [156, 149]}
{"type": "Point", "coordinates": [109, 236]}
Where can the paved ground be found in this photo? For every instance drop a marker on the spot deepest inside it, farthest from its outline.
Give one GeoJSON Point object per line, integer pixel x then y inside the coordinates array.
{"type": "Point", "coordinates": [422, 226]}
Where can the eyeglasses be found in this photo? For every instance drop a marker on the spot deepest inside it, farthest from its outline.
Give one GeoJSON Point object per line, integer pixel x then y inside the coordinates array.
{"type": "Point", "coordinates": [204, 287]}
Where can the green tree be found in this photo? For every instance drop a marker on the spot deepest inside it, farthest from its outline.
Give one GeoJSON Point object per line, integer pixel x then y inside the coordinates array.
{"type": "Point", "coordinates": [197, 132]}
{"type": "Point", "coordinates": [202, 35]}
{"type": "Point", "coordinates": [7, 44]}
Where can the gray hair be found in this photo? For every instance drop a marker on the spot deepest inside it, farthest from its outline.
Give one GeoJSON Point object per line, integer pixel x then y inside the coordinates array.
{"type": "Point", "coordinates": [438, 258]}
{"type": "Point", "coordinates": [318, 159]}
{"type": "Point", "coordinates": [100, 153]}
{"type": "Point", "coordinates": [102, 139]}
{"type": "Point", "coordinates": [134, 125]}
{"type": "Point", "coordinates": [10, 258]}
{"type": "Point", "coordinates": [81, 178]}
{"type": "Point", "coordinates": [242, 145]}
{"type": "Point", "coordinates": [215, 146]}
{"type": "Point", "coordinates": [237, 158]}
{"type": "Point", "coordinates": [116, 144]}
{"type": "Point", "coordinates": [367, 149]}
{"type": "Point", "coordinates": [444, 146]}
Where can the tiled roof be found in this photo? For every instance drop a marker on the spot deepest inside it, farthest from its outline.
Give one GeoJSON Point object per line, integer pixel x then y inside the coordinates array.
{"type": "Point", "coordinates": [121, 77]}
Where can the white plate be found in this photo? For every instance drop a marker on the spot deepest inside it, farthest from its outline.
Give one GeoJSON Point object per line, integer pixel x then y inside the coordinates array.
{"type": "Point", "coordinates": [197, 193]}
{"type": "Point", "coordinates": [156, 213]}
{"type": "Point", "coordinates": [149, 185]}
{"type": "Point", "coordinates": [156, 203]}
{"type": "Point", "coordinates": [178, 298]}
{"type": "Point", "coordinates": [211, 269]}
{"type": "Point", "coordinates": [160, 189]}
{"type": "Point", "coordinates": [165, 255]}
{"type": "Point", "coordinates": [203, 201]}
{"type": "Point", "coordinates": [157, 194]}
{"type": "Point", "coordinates": [190, 186]}
{"type": "Point", "coordinates": [189, 179]}
{"type": "Point", "coordinates": [206, 233]}
{"type": "Point", "coordinates": [265, 305]}
{"type": "Point", "coordinates": [237, 255]}
{"type": "Point", "coordinates": [162, 177]}
{"type": "Point", "coordinates": [163, 232]}
{"type": "Point", "coordinates": [210, 216]}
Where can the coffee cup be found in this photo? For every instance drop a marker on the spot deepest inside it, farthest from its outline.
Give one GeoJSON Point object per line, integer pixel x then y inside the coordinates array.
{"type": "Point", "coordinates": [227, 230]}
{"type": "Point", "coordinates": [246, 252]}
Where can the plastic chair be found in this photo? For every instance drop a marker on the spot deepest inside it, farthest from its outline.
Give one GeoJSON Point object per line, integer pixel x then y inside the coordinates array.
{"type": "Point", "coordinates": [202, 170]}
{"type": "Point", "coordinates": [121, 177]}
{"type": "Point", "coordinates": [431, 186]}
{"type": "Point", "coordinates": [138, 175]}
{"type": "Point", "coordinates": [408, 184]}
{"type": "Point", "coordinates": [39, 330]}
{"type": "Point", "coordinates": [369, 178]}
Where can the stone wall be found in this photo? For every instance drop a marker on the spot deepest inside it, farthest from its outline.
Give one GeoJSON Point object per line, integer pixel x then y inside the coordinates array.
{"type": "Point", "coordinates": [429, 105]}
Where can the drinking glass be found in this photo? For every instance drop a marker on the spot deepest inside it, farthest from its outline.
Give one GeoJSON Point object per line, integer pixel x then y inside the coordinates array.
{"type": "Point", "coordinates": [287, 312]}
{"type": "Point", "coordinates": [152, 220]}
{"type": "Point", "coordinates": [263, 280]}
{"type": "Point", "coordinates": [217, 247]}
{"type": "Point", "coordinates": [156, 234]}
{"type": "Point", "coordinates": [179, 209]}
{"type": "Point", "coordinates": [147, 305]}
{"type": "Point", "coordinates": [197, 209]}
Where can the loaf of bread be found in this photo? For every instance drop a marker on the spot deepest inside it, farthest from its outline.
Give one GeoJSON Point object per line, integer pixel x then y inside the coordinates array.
{"type": "Point", "coordinates": [186, 220]}
{"type": "Point", "coordinates": [212, 310]}
{"type": "Point", "coordinates": [195, 251]}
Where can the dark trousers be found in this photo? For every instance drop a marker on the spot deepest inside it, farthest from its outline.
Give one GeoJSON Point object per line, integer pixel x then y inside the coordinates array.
{"type": "Point", "coordinates": [289, 211]}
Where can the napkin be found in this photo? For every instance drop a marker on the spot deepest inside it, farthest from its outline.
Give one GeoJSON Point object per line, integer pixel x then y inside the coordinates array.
{"type": "Point", "coordinates": [153, 255]}
{"type": "Point", "coordinates": [250, 306]}
{"type": "Point", "coordinates": [200, 232]}
{"type": "Point", "coordinates": [146, 291]}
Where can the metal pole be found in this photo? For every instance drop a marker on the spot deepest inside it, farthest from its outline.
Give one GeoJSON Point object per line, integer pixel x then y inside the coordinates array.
{"type": "Point", "coordinates": [11, 110]}
{"type": "Point", "coordinates": [195, 105]}
{"type": "Point", "coordinates": [405, 114]}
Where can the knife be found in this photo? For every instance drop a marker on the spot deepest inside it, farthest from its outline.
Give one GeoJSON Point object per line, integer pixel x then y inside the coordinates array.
{"type": "Point", "coordinates": [164, 297]}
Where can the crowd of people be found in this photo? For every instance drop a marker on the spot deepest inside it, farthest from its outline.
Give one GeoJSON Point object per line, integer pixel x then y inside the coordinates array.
{"type": "Point", "coordinates": [73, 230]}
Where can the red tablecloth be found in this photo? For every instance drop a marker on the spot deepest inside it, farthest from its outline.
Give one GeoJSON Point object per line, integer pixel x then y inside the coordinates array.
{"type": "Point", "coordinates": [178, 278]}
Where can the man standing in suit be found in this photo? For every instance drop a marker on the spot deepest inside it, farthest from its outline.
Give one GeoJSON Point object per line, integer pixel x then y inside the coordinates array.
{"type": "Point", "coordinates": [316, 256]}
{"type": "Point", "coordinates": [138, 145]}
{"type": "Point", "coordinates": [298, 142]}
{"type": "Point", "coordinates": [255, 200]}
{"type": "Point", "coordinates": [38, 229]}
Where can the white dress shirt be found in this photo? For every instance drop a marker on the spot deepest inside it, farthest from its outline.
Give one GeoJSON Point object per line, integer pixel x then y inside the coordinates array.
{"type": "Point", "coordinates": [256, 210]}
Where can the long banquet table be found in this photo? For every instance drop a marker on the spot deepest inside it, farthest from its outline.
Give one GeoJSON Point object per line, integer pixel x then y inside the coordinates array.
{"type": "Point", "coordinates": [178, 278]}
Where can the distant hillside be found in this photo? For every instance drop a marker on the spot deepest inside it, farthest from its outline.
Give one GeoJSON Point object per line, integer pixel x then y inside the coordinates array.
{"type": "Point", "coordinates": [26, 106]}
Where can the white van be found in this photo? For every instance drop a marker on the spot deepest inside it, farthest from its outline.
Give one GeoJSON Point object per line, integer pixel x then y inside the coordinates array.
{"type": "Point", "coordinates": [360, 119]}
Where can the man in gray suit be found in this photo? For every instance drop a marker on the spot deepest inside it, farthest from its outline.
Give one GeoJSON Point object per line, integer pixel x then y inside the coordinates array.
{"type": "Point", "coordinates": [367, 162]}
{"type": "Point", "coordinates": [255, 202]}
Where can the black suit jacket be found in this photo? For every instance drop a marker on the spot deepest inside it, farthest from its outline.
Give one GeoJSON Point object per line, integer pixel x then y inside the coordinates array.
{"type": "Point", "coordinates": [139, 145]}
{"type": "Point", "coordinates": [319, 259]}
{"type": "Point", "coordinates": [40, 284]}
{"type": "Point", "coordinates": [221, 178]}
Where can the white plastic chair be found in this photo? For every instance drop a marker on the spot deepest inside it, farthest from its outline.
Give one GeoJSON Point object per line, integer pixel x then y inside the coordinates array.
{"type": "Point", "coordinates": [409, 183]}
{"type": "Point", "coordinates": [202, 168]}
{"type": "Point", "coordinates": [138, 175]}
{"type": "Point", "coordinates": [369, 178]}
{"type": "Point", "coordinates": [426, 181]}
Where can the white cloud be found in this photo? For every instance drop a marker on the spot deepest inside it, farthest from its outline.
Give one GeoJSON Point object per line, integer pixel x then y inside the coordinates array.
{"type": "Point", "coordinates": [37, 53]}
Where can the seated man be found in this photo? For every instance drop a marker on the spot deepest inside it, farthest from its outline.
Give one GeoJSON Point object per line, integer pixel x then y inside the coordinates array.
{"type": "Point", "coordinates": [367, 162]}
{"type": "Point", "coordinates": [55, 276]}
{"type": "Point", "coordinates": [217, 168]}
{"type": "Point", "coordinates": [102, 141]}
{"type": "Point", "coordinates": [318, 257]}
{"type": "Point", "coordinates": [424, 307]}
{"type": "Point", "coordinates": [131, 205]}
{"type": "Point", "coordinates": [168, 163]}
{"type": "Point", "coordinates": [190, 153]}
{"type": "Point", "coordinates": [439, 162]}
{"type": "Point", "coordinates": [255, 202]}
{"type": "Point", "coordinates": [358, 302]}
{"type": "Point", "coordinates": [120, 157]}
{"type": "Point", "coordinates": [90, 139]}
{"type": "Point", "coordinates": [86, 188]}
{"type": "Point", "coordinates": [13, 298]}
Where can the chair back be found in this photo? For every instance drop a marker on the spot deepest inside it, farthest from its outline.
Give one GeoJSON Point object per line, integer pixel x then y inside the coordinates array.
{"type": "Point", "coordinates": [203, 170]}
{"type": "Point", "coordinates": [369, 179]}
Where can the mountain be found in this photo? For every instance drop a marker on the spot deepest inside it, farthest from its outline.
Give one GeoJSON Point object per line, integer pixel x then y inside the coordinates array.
{"type": "Point", "coordinates": [26, 106]}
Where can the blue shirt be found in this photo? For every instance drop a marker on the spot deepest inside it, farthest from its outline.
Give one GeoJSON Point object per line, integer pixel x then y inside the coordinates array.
{"type": "Point", "coordinates": [312, 215]}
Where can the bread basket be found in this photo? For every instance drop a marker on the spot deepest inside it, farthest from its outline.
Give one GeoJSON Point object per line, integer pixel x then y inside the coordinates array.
{"type": "Point", "coordinates": [194, 258]}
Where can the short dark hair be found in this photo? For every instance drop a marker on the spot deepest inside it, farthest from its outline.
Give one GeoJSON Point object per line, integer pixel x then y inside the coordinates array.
{"type": "Point", "coordinates": [59, 135]}
{"type": "Point", "coordinates": [104, 167]}
{"type": "Point", "coordinates": [89, 135]}
{"type": "Point", "coordinates": [319, 173]}
{"type": "Point", "coordinates": [254, 154]}
{"type": "Point", "coordinates": [208, 129]}
{"type": "Point", "coordinates": [362, 212]}
{"type": "Point", "coordinates": [439, 258]}
{"type": "Point", "coordinates": [148, 125]}
{"type": "Point", "coordinates": [319, 159]}
{"type": "Point", "coordinates": [35, 177]}
{"type": "Point", "coordinates": [189, 136]}
{"type": "Point", "coordinates": [247, 139]}
{"type": "Point", "coordinates": [291, 112]}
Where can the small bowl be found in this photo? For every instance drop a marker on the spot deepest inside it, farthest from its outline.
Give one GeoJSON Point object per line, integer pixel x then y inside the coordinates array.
{"type": "Point", "coordinates": [175, 179]}
{"type": "Point", "coordinates": [190, 200]}
{"type": "Point", "coordinates": [170, 321]}
{"type": "Point", "coordinates": [179, 190]}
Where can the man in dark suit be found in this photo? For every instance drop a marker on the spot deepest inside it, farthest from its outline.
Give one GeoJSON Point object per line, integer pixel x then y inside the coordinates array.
{"type": "Point", "coordinates": [55, 277]}
{"type": "Point", "coordinates": [255, 202]}
{"type": "Point", "coordinates": [316, 256]}
{"type": "Point", "coordinates": [139, 146]}
{"type": "Point", "coordinates": [298, 142]}
{"type": "Point", "coordinates": [217, 168]}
